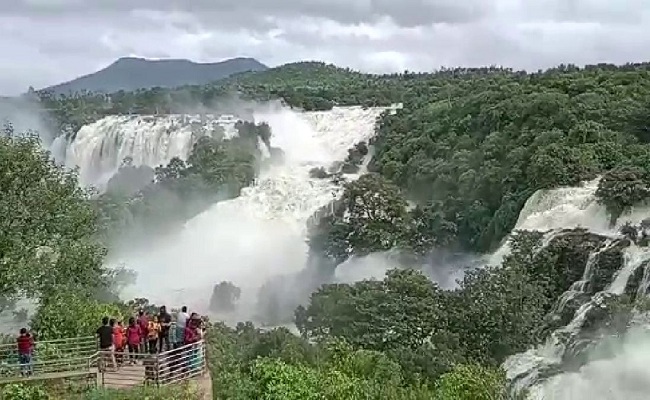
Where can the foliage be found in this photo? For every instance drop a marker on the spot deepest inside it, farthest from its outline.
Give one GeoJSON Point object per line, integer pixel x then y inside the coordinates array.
{"type": "Point", "coordinates": [224, 296]}
{"type": "Point", "coordinates": [622, 188]}
{"type": "Point", "coordinates": [25, 391]}
{"type": "Point", "coordinates": [47, 227]}
{"type": "Point", "coordinates": [452, 169]}
{"type": "Point", "coordinates": [182, 391]}
{"type": "Point", "coordinates": [469, 145]}
{"type": "Point", "coordinates": [403, 310]}
{"type": "Point", "coordinates": [371, 216]}
{"type": "Point", "coordinates": [471, 382]}
{"type": "Point", "coordinates": [67, 314]}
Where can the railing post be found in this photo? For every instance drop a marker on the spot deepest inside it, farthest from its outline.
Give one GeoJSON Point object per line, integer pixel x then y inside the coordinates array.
{"type": "Point", "coordinates": [157, 370]}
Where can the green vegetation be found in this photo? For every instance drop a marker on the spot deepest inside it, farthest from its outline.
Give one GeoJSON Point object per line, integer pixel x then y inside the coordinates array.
{"type": "Point", "coordinates": [49, 235]}
{"type": "Point", "coordinates": [62, 391]}
{"type": "Point", "coordinates": [450, 171]}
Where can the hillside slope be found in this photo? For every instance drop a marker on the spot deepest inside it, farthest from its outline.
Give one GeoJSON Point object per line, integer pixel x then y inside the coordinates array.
{"type": "Point", "coordinates": [138, 73]}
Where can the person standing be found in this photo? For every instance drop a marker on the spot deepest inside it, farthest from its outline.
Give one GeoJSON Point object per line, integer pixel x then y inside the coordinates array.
{"type": "Point", "coordinates": [165, 325]}
{"type": "Point", "coordinates": [133, 338]}
{"type": "Point", "coordinates": [143, 322]}
{"type": "Point", "coordinates": [105, 335]}
{"type": "Point", "coordinates": [181, 322]}
{"type": "Point", "coordinates": [25, 351]}
{"type": "Point", "coordinates": [192, 337]}
{"type": "Point", "coordinates": [119, 340]}
{"type": "Point", "coordinates": [153, 331]}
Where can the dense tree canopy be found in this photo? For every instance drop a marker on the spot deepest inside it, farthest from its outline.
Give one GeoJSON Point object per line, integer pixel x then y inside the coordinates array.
{"type": "Point", "coordinates": [47, 226]}
{"type": "Point", "coordinates": [450, 170]}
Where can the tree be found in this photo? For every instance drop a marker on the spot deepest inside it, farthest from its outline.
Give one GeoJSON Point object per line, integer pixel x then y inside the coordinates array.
{"type": "Point", "coordinates": [472, 382]}
{"type": "Point", "coordinates": [67, 314]}
{"type": "Point", "coordinates": [370, 217]}
{"type": "Point", "coordinates": [47, 225]}
{"type": "Point", "coordinates": [403, 310]}
{"type": "Point", "coordinates": [224, 296]}
{"type": "Point", "coordinates": [622, 188]}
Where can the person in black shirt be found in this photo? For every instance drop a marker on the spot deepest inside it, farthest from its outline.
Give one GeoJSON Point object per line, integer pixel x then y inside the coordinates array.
{"type": "Point", "coordinates": [165, 324]}
{"type": "Point", "coordinates": [105, 335]}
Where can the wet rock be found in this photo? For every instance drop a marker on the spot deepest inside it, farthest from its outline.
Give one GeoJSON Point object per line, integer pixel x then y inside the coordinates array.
{"type": "Point", "coordinates": [565, 258]}
{"type": "Point", "coordinates": [607, 264]}
{"type": "Point", "coordinates": [634, 283]}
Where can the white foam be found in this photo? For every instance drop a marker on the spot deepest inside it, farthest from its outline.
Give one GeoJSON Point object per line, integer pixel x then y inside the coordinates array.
{"type": "Point", "coordinates": [99, 148]}
{"type": "Point", "coordinates": [552, 211]}
{"type": "Point", "coordinates": [262, 232]}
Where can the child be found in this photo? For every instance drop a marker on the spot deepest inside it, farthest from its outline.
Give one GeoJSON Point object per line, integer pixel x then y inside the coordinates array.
{"type": "Point", "coordinates": [25, 350]}
{"type": "Point", "coordinates": [134, 338]}
{"type": "Point", "coordinates": [153, 330]}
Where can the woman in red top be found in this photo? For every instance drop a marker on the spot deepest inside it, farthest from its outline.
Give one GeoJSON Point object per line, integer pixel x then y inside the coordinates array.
{"type": "Point", "coordinates": [25, 349]}
{"type": "Point", "coordinates": [192, 336]}
{"type": "Point", "coordinates": [133, 338]}
{"type": "Point", "coordinates": [119, 340]}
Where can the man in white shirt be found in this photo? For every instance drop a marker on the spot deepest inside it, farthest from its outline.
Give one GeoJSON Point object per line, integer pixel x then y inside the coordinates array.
{"type": "Point", "coordinates": [181, 322]}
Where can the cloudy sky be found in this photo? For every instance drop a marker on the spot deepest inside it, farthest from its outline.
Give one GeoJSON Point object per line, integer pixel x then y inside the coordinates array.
{"type": "Point", "coordinates": [43, 42]}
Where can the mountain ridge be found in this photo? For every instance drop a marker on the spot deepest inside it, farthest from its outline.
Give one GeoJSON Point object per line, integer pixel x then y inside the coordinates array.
{"type": "Point", "coordinates": [133, 73]}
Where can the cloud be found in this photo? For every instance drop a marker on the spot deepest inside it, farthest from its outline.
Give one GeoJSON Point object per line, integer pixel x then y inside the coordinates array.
{"type": "Point", "coordinates": [49, 41]}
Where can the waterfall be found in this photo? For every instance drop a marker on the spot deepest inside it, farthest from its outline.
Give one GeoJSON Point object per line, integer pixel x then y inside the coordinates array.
{"type": "Point", "coordinates": [261, 233]}
{"type": "Point", "coordinates": [540, 369]}
{"type": "Point", "coordinates": [99, 148]}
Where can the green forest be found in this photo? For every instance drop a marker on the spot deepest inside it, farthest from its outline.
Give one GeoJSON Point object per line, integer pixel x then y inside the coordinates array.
{"type": "Point", "coordinates": [467, 150]}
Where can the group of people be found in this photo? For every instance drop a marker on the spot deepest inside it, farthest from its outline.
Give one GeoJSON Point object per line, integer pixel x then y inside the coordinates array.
{"type": "Point", "coordinates": [147, 334]}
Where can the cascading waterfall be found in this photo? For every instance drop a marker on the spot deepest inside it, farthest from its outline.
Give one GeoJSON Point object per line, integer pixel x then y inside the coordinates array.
{"type": "Point", "coordinates": [539, 370]}
{"type": "Point", "coordinates": [99, 148]}
{"type": "Point", "coordinates": [261, 233]}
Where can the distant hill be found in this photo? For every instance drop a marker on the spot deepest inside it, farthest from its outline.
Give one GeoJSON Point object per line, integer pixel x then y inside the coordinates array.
{"type": "Point", "coordinates": [138, 73]}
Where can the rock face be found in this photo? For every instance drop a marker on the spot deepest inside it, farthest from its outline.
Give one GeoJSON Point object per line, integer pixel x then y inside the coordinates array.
{"type": "Point", "coordinates": [600, 283]}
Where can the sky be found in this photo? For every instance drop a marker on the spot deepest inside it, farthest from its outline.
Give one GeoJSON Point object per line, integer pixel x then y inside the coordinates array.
{"type": "Point", "coordinates": [44, 42]}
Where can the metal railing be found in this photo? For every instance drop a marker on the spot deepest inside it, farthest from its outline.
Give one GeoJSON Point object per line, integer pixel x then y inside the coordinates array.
{"type": "Point", "coordinates": [72, 357]}
{"type": "Point", "coordinates": [47, 358]}
{"type": "Point", "coordinates": [123, 369]}
{"type": "Point", "coordinates": [183, 363]}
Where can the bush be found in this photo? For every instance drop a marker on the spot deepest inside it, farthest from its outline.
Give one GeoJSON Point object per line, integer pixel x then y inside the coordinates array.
{"type": "Point", "coordinates": [472, 382]}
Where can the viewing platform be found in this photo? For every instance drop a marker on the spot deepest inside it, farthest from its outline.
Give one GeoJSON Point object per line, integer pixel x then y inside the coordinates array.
{"type": "Point", "coordinates": [80, 360]}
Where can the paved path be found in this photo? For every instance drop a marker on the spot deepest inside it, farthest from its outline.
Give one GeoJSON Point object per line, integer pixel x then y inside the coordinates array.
{"type": "Point", "coordinates": [125, 377]}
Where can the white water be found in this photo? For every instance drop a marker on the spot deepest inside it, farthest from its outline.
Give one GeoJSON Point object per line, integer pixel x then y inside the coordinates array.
{"type": "Point", "coordinates": [626, 376]}
{"type": "Point", "coordinates": [261, 233]}
{"type": "Point", "coordinates": [99, 148]}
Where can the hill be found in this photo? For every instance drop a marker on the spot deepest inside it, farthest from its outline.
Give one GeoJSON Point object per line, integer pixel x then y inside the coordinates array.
{"type": "Point", "coordinates": [137, 73]}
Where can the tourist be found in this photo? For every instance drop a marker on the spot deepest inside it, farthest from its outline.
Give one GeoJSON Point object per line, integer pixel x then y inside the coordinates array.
{"type": "Point", "coordinates": [153, 331]}
{"type": "Point", "coordinates": [165, 324]}
{"type": "Point", "coordinates": [118, 340]}
{"type": "Point", "coordinates": [134, 338]}
{"type": "Point", "coordinates": [143, 322]}
{"type": "Point", "coordinates": [105, 334]}
{"type": "Point", "coordinates": [191, 337]}
{"type": "Point", "coordinates": [25, 351]}
{"type": "Point", "coordinates": [181, 321]}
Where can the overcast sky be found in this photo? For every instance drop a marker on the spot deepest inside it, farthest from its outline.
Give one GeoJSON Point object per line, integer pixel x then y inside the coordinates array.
{"type": "Point", "coordinates": [43, 42]}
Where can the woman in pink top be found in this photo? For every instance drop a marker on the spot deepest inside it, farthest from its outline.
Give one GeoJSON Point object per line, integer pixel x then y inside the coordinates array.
{"type": "Point", "coordinates": [133, 338]}
{"type": "Point", "coordinates": [192, 337]}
